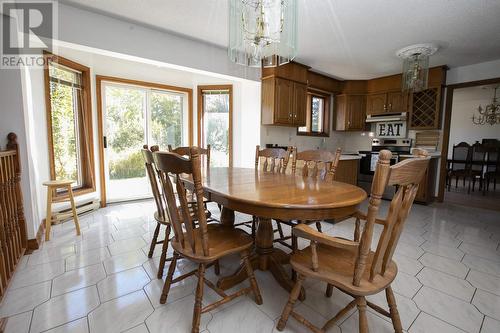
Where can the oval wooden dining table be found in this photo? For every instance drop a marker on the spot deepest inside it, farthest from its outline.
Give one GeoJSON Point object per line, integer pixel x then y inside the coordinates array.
{"type": "Point", "coordinates": [274, 196]}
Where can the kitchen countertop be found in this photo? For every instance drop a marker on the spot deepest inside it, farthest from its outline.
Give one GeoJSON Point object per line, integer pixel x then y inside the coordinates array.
{"type": "Point", "coordinates": [436, 154]}
{"type": "Point", "coordinates": [349, 157]}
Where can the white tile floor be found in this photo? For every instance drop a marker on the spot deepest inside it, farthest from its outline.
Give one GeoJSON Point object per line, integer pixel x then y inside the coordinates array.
{"type": "Point", "coordinates": [448, 281]}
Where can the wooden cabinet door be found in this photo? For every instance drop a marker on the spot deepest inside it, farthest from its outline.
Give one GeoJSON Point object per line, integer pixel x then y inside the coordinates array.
{"type": "Point", "coordinates": [267, 101]}
{"type": "Point", "coordinates": [341, 112]}
{"type": "Point", "coordinates": [356, 113]}
{"type": "Point", "coordinates": [299, 104]}
{"type": "Point", "coordinates": [396, 102]}
{"type": "Point", "coordinates": [283, 112]}
{"type": "Point", "coordinates": [376, 104]}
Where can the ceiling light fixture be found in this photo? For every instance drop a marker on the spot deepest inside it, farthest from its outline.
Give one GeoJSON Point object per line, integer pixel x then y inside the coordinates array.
{"type": "Point", "coordinates": [416, 66]}
{"type": "Point", "coordinates": [490, 114]}
{"type": "Point", "coordinates": [262, 32]}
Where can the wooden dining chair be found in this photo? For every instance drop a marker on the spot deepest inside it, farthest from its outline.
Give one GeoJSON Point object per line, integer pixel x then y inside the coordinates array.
{"type": "Point", "coordinates": [460, 163]}
{"type": "Point", "coordinates": [478, 162]}
{"type": "Point", "coordinates": [351, 265]}
{"type": "Point", "coordinates": [160, 215]}
{"type": "Point", "coordinates": [492, 168]}
{"type": "Point", "coordinates": [319, 164]}
{"type": "Point", "coordinates": [204, 154]}
{"type": "Point", "coordinates": [201, 243]}
{"type": "Point", "coordinates": [274, 160]}
{"type": "Point", "coordinates": [185, 151]}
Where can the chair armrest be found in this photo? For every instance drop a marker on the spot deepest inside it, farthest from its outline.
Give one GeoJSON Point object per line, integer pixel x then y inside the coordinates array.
{"type": "Point", "coordinates": [306, 232]}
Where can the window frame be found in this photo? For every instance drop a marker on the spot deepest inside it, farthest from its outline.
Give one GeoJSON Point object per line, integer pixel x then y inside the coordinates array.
{"type": "Point", "coordinates": [85, 128]}
{"type": "Point", "coordinates": [201, 111]}
{"type": "Point", "coordinates": [327, 99]}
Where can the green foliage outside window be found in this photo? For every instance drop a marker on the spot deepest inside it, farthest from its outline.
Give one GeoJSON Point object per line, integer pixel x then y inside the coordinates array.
{"type": "Point", "coordinates": [64, 138]}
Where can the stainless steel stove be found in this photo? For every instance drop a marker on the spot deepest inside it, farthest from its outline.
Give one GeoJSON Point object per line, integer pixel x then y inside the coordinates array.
{"type": "Point", "coordinates": [369, 161]}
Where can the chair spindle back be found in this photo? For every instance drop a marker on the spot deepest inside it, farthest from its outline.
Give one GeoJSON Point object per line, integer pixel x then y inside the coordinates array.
{"type": "Point", "coordinates": [406, 175]}
{"type": "Point", "coordinates": [152, 172]}
{"type": "Point", "coordinates": [184, 151]}
{"type": "Point", "coordinates": [273, 160]}
{"type": "Point", "coordinates": [172, 166]}
{"type": "Point", "coordinates": [317, 163]}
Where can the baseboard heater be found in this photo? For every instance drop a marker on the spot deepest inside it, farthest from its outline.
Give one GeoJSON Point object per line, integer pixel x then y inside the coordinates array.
{"type": "Point", "coordinates": [65, 214]}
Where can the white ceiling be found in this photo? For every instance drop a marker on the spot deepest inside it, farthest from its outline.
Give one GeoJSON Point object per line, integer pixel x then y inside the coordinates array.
{"type": "Point", "coordinates": [349, 39]}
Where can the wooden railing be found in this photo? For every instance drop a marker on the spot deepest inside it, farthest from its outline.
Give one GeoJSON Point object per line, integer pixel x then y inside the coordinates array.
{"type": "Point", "coordinates": [13, 238]}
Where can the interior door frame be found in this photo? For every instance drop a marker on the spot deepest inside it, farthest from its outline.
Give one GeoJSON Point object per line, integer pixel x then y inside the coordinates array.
{"type": "Point", "coordinates": [100, 129]}
{"type": "Point", "coordinates": [447, 124]}
{"type": "Point", "coordinates": [201, 111]}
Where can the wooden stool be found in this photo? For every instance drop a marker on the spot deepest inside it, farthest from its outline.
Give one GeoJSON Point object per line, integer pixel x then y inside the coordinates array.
{"type": "Point", "coordinates": [53, 185]}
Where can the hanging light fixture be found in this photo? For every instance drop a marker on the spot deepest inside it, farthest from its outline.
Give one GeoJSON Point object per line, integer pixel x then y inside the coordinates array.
{"type": "Point", "coordinates": [490, 114]}
{"type": "Point", "coordinates": [416, 66]}
{"type": "Point", "coordinates": [262, 32]}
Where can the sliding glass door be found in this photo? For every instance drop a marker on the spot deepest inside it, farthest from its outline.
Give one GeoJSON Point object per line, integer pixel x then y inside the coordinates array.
{"type": "Point", "coordinates": [134, 116]}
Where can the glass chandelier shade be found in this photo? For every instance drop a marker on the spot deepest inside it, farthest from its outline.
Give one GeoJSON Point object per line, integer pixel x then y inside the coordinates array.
{"type": "Point", "coordinates": [490, 114]}
{"type": "Point", "coordinates": [416, 66]}
{"type": "Point", "coordinates": [415, 72]}
{"type": "Point", "coordinates": [262, 32]}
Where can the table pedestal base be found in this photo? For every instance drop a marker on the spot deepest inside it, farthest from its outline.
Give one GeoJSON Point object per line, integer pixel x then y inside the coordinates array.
{"type": "Point", "coordinates": [264, 258]}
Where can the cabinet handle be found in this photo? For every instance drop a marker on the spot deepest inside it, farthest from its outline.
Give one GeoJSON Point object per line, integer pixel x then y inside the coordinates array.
{"type": "Point", "coordinates": [390, 106]}
{"type": "Point", "coordinates": [289, 115]}
{"type": "Point", "coordinates": [295, 115]}
{"type": "Point", "coordinates": [385, 107]}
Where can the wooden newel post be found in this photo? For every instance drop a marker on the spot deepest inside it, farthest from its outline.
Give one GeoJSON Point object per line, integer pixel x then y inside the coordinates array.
{"type": "Point", "coordinates": [21, 222]}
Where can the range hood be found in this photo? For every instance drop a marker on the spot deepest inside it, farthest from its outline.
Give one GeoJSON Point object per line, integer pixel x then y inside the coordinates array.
{"type": "Point", "coordinates": [386, 117]}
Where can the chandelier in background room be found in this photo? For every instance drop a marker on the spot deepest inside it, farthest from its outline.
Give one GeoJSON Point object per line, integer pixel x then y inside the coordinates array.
{"type": "Point", "coordinates": [416, 66]}
{"type": "Point", "coordinates": [490, 114]}
{"type": "Point", "coordinates": [262, 32]}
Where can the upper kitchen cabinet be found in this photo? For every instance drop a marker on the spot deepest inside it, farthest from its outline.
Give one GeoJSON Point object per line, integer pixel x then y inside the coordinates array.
{"type": "Point", "coordinates": [284, 102]}
{"type": "Point", "coordinates": [381, 103]}
{"type": "Point", "coordinates": [350, 112]}
{"type": "Point", "coordinates": [284, 95]}
{"type": "Point", "coordinates": [376, 104]}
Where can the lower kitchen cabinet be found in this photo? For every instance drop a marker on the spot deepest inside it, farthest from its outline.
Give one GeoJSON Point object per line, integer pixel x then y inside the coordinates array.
{"type": "Point", "coordinates": [347, 171]}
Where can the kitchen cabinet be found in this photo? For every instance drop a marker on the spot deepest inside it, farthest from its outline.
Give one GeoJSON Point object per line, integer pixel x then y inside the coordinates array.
{"type": "Point", "coordinates": [387, 102]}
{"type": "Point", "coordinates": [425, 109]}
{"type": "Point", "coordinates": [376, 104]}
{"type": "Point", "coordinates": [347, 171]}
{"type": "Point", "coordinates": [350, 112]}
{"type": "Point", "coordinates": [284, 102]}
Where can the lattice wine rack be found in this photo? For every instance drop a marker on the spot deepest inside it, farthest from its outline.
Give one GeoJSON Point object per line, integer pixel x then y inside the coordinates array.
{"type": "Point", "coordinates": [425, 109]}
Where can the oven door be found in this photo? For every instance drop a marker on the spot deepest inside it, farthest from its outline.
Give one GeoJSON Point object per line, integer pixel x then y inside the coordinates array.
{"type": "Point", "coordinates": [368, 164]}
{"type": "Point", "coordinates": [369, 160]}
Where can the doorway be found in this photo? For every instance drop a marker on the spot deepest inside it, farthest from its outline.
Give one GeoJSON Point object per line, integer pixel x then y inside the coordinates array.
{"type": "Point", "coordinates": [470, 147]}
{"type": "Point", "coordinates": [215, 123]}
{"type": "Point", "coordinates": [133, 114]}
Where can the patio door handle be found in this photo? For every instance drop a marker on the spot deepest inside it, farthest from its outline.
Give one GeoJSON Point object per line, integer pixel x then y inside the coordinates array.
{"type": "Point", "coordinates": [105, 142]}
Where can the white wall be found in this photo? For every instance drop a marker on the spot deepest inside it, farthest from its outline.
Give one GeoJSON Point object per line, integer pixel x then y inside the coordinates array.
{"type": "Point", "coordinates": [246, 108]}
{"type": "Point", "coordinates": [99, 31]}
{"type": "Point", "coordinates": [14, 100]}
{"type": "Point", "coordinates": [475, 72]}
{"type": "Point", "coordinates": [465, 103]}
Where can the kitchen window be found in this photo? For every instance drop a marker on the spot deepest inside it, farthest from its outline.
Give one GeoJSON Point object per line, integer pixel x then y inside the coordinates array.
{"type": "Point", "coordinates": [69, 123]}
{"type": "Point", "coordinates": [317, 117]}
